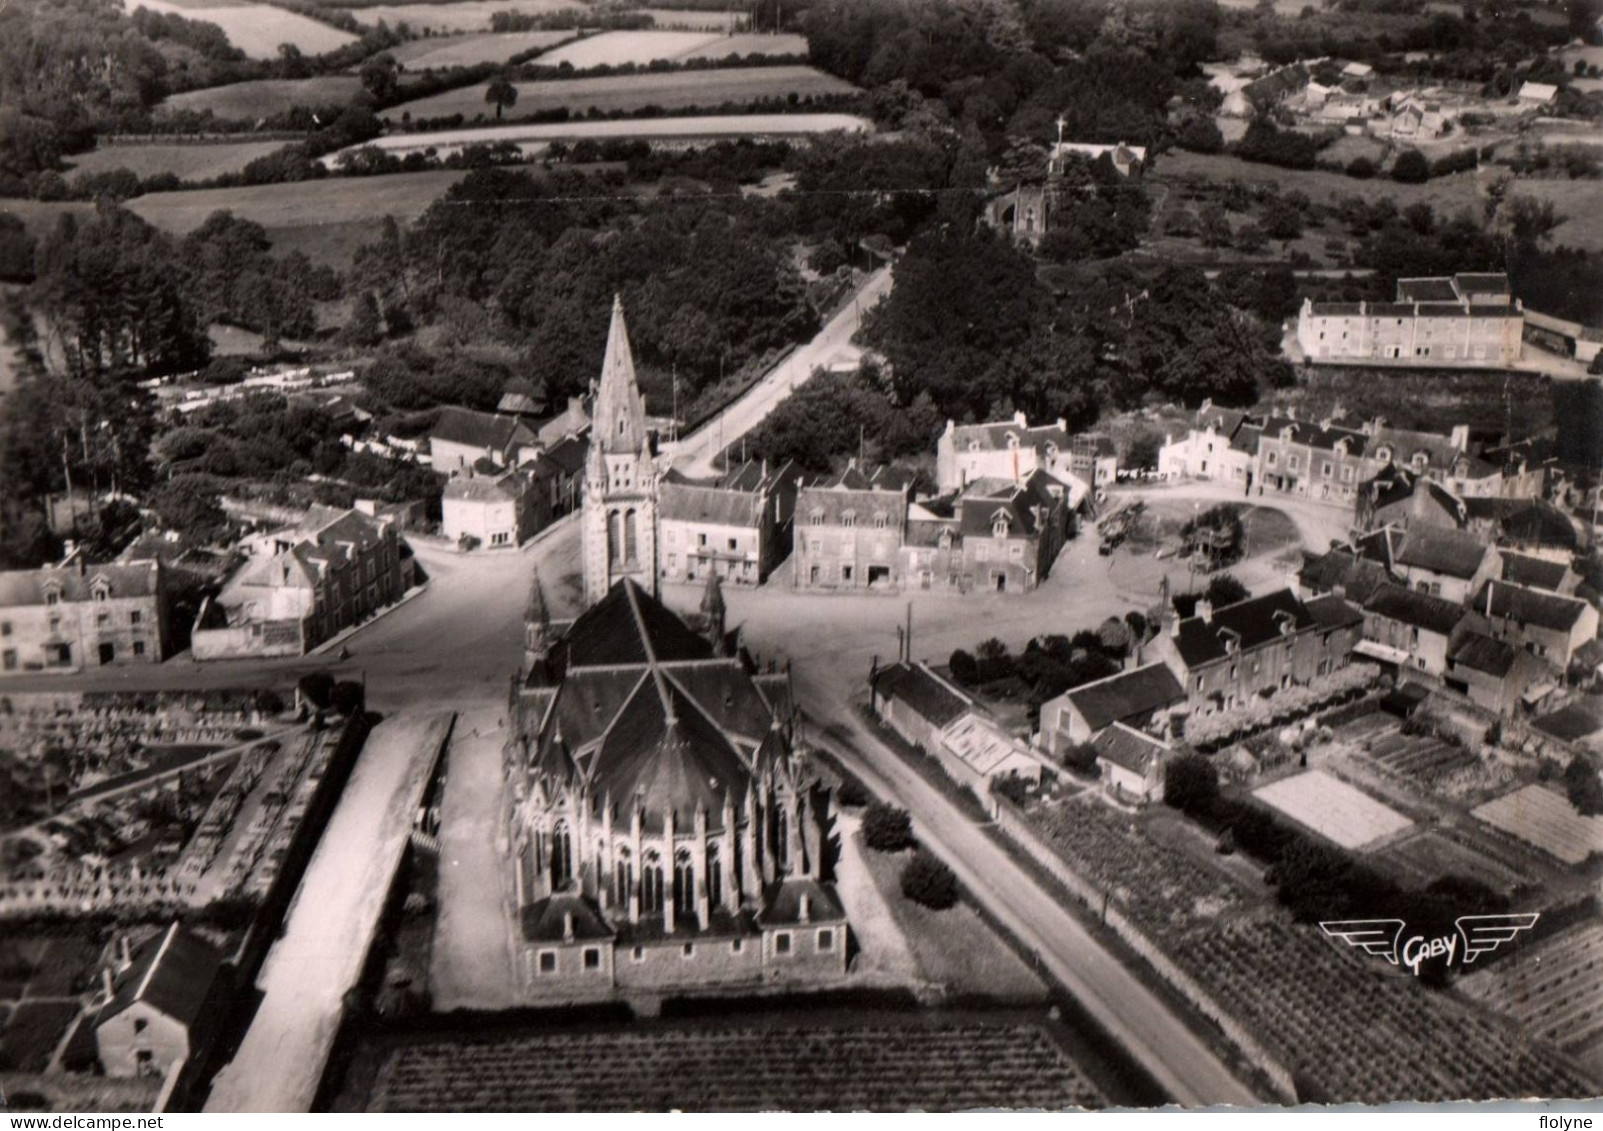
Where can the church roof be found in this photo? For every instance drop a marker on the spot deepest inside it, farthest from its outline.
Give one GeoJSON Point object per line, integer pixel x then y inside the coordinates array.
{"type": "Point", "coordinates": [629, 627]}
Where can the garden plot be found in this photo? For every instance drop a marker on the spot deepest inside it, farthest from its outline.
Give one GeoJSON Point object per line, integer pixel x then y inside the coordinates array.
{"type": "Point", "coordinates": [1333, 809]}
{"type": "Point", "coordinates": [258, 29]}
{"type": "Point", "coordinates": [1541, 817]}
{"type": "Point", "coordinates": [616, 48]}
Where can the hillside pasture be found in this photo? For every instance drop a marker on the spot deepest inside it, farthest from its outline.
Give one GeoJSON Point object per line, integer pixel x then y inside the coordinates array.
{"type": "Point", "coordinates": [258, 29]}
{"type": "Point", "coordinates": [693, 18]}
{"type": "Point", "coordinates": [618, 48]}
{"type": "Point", "coordinates": [1545, 818]}
{"type": "Point", "coordinates": [197, 161]}
{"type": "Point", "coordinates": [1580, 202]}
{"type": "Point", "coordinates": [748, 44]}
{"type": "Point", "coordinates": [670, 90]}
{"type": "Point", "coordinates": [264, 98]}
{"type": "Point", "coordinates": [468, 50]}
{"type": "Point", "coordinates": [455, 18]}
{"type": "Point", "coordinates": [1333, 809]}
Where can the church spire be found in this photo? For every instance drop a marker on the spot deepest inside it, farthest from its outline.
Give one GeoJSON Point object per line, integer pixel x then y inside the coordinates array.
{"type": "Point", "coordinates": [620, 415]}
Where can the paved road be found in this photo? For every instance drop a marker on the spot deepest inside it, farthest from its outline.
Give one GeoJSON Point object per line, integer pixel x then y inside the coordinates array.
{"type": "Point", "coordinates": [1182, 1064]}
{"type": "Point", "coordinates": [693, 454]}
{"type": "Point", "coordinates": [330, 926]}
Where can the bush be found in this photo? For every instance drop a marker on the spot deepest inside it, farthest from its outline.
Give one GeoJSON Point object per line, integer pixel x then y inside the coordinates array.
{"type": "Point", "coordinates": [1191, 784]}
{"type": "Point", "coordinates": [1583, 787]}
{"type": "Point", "coordinates": [851, 794]}
{"type": "Point", "coordinates": [964, 668]}
{"type": "Point", "coordinates": [927, 881]}
{"type": "Point", "coordinates": [317, 688]}
{"type": "Point", "coordinates": [348, 697]}
{"type": "Point", "coordinates": [1411, 168]}
{"type": "Point", "coordinates": [1361, 168]}
{"type": "Point", "coordinates": [1081, 758]}
{"type": "Point", "coordinates": [887, 828]}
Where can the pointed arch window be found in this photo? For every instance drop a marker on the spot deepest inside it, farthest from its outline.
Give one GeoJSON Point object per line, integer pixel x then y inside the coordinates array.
{"type": "Point", "coordinates": [631, 537]}
{"type": "Point", "coordinates": [561, 855]}
{"type": "Point", "coordinates": [651, 884]}
{"type": "Point", "coordinates": [614, 536]}
{"type": "Point", "coordinates": [715, 879]}
{"type": "Point", "coordinates": [684, 883]}
{"type": "Point", "coordinates": [625, 876]}
{"type": "Point", "coordinates": [781, 837]}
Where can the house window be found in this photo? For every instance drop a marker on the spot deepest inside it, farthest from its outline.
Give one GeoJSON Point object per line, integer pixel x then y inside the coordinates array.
{"type": "Point", "coordinates": [548, 962]}
{"type": "Point", "coordinates": [136, 617]}
{"type": "Point", "coordinates": [140, 1025]}
{"type": "Point", "coordinates": [736, 946]}
{"type": "Point", "coordinates": [139, 647]}
{"type": "Point", "coordinates": [826, 939]}
{"type": "Point", "coordinates": [845, 573]}
{"type": "Point", "coordinates": [732, 545]}
{"type": "Point", "coordinates": [1274, 458]}
{"type": "Point", "coordinates": [848, 520]}
{"type": "Point", "coordinates": [701, 539]}
{"type": "Point", "coordinates": [782, 942]}
{"type": "Point", "coordinates": [1291, 462]}
{"type": "Point", "coordinates": [638, 954]}
{"type": "Point", "coordinates": [690, 950]}
{"type": "Point", "coordinates": [1325, 470]}
{"type": "Point", "coordinates": [5, 628]}
{"type": "Point", "coordinates": [8, 660]}
{"type": "Point", "coordinates": [52, 598]}
{"type": "Point", "coordinates": [592, 958]}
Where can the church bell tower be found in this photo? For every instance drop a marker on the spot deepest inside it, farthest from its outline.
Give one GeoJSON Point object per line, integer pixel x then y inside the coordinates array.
{"type": "Point", "coordinates": [620, 482]}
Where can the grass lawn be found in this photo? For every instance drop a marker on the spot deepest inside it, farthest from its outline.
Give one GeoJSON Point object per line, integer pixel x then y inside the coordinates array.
{"type": "Point", "coordinates": [1580, 201]}
{"type": "Point", "coordinates": [466, 15]}
{"type": "Point", "coordinates": [466, 50]}
{"type": "Point", "coordinates": [670, 91]}
{"type": "Point", "coordinates": [954, 947]}
{"type": "Point", "coordinates": [258, 29]}
{"type": "Point", "coordinates": [197, 162]}
{"type": "Point", "coordinates": [263, 98]}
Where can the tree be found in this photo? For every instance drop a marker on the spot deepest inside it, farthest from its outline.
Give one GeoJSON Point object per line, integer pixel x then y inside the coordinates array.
{"type": "Point", "coordinates": [1191, 784]}
{"type": "Point", "coordinates": [1361, 168]}
{"type": "Point", "coordinates": [381, 77]}
{"type": "Point", "coordinates": [317, 688]}
{"type": "Point", "coordinates": [886, 828]}
{"type": "Point", "coordinates": [366, 327]}
{"type": "Point", "coordinates": [188, 504]}
{"type": "Point", "coordinates": [964, 668]}
{"type": "Point", "coordinates": [927, 881]}
{"type": "Point", "coordinates": [501, 93]}
{"type": "Point", "coordinates": [1584, 788]}
{"type": "Point", "coordinates": [1081, 757]}
{"type": "Point", "coordinates": [1223, 589]}
{"type": "Point", "coordinates": [1411, 168]}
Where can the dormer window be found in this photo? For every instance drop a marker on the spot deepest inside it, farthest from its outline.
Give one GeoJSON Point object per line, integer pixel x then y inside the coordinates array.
{"type": "Point", "coordinates": [52, 595]}
{"type": "Point", "coordinates": [999, 526]}
{"type": "Point", "coordinates": [879, 522]}
{"type": "Point", "coordinates": [1012, 442]}
{"type": "Point", "coordinates": [1383, 454]}
{"type": "Point", "coordinates": [816, 517]}
{"type": "Point", "coordinates": [101, 589]}
{"type": "Point", "coordinates": [848, 519]}
{"type": "Point", "coordinates": [973, 445]}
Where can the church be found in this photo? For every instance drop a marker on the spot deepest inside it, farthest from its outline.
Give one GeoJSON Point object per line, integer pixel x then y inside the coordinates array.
{"type": "Point", "coordinates": [668, 827]}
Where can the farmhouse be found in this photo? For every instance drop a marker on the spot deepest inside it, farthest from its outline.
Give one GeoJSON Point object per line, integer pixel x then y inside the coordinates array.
{"type": "Point", "coordinates": [996, 534]}
{"type": "Point", "coordinates": [461, 438]}
{"type": "Point", "coordinates": [74, 615]}
{"type": "Point", "coordinates": [668, 828]}
{"type": "Point", "coordinates": [1341, 572]}
{"type": "Point", "coordinates": [1462, 320]}
{"type": "Point", "coordinates": [1142, 697]}
{"type": "Point", "coordinates": [1398, 498]}
{"type": "Point", "coordinates": [161, 1006]}
{"type": "Point", "coordinates": [1131, 763]}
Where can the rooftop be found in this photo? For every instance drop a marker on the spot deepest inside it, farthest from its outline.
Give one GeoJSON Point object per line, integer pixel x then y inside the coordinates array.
{"type": "Point", "coordinates": [1416, 609]}
{"type": "Point", "coordinates": [1126, 696]}
{"type": "Point", "coordinates": [173, 973]}
{"type": "Point", "coordinates": [1130, 749]}
{"type": "Point", "coordinates": [1240, 627]}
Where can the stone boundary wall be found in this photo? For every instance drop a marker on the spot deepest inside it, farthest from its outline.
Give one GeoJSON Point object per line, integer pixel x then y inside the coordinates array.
{"type": "Point", "coordinates": [1016, 826]}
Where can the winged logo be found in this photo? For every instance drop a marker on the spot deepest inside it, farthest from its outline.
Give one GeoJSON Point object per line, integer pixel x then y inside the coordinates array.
{"type": "Point", "coordinates": [1485, 933]}
{"type": "Point", "coordinates": [1377, 937]}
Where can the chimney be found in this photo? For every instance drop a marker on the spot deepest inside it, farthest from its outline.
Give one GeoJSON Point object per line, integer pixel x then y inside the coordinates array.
{"type": "Point", "coordinates": [567, 926]}
{"type": "Point", "coordinates": [107, 984]}
{"type": "Point", "coordinates": [1205, 610]}
{"type": "Point", "coordinates": [125, 954]}
{"type": "Point", "coordinates": [1459, 437]}
{"type": "Point", "coordinates": [1021, 420]}
{"type": "Point", "coordinates": [804, 910]}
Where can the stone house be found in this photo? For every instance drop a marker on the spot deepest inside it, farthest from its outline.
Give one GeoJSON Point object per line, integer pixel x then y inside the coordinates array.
{"type": "Point", "coordinates": [738, 526]}
{"type": "Point", "coordinates": [462, 438]}
{"type": "Point", "coordinates": [849, 530]}
{"type": "Point", "coordinates": [996, 535]}
{"type": "Point", "coordinates": [76, 615]}
{"type": "Point", "coordinates": [1554, 575]}
{"type": "Point", "coordinates": [499, 510]}
{"type": "Point", "coordinates": [1223, 657]}
{"type": "Point", "coordinates": [1433, 559]}
{"type": "Point", "coordinates": [1410, 630]}
{"type": "Point", "coordinates": [161, 1007]}
{"type": "Point", "coordinates": [1015, 450]}
{"type": "Point", "coordinates": [1142, 698]}
{"type": "Point", "coordinates": [1549, 625]}
{"type": "Point", "coordinates": [1494, 674]}
{"type": "Point", "coordinates": [1221, 445]}
{"type": "Point", "coordinates": [1131, 763]}
{"type": "Point", "coordinates": [303, 585]}
{"type": "Point", "coordinates": [1462, 320]}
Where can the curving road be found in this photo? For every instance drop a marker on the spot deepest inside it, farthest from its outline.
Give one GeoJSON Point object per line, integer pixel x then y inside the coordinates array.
{"type": "Point", "coordinates": [693, 454]}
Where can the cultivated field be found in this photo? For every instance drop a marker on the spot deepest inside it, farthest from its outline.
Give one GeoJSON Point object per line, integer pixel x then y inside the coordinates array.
{"type": "Point", "coordinates": [258, 29]}
{"type": "Point", "coordinates": [751, 44]}
{"type": "Point", "coordinates": [197, 162]}
{"type": "Point", "coordinates": [262, 98]}
{"type": "Point", "coordinates": [467, 50]}
{"type": "Point", "coordinates": [1545, 818]}
{"type": "Point", "coordinates": [900, 1063]}
{"type": "Point", "coordinates": [534, 137]}
{"type": "Point", "coordinates": [1580, 201]}
{"type": "Point", "coordinates": [614, 48]}
{"type": "Point", "coordinates": [691, 18]}
{"type": "Point", "coordinates": [670, 90]}
{"type": "Point", "coordinates": [1333, 808]}
{"type": "Point", "coordinates": [449, 18]}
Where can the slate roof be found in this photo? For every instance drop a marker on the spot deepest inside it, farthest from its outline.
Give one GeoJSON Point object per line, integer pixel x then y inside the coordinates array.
{"type": "Point", "coordinates": [1129, 748]}
{"type": "Point", "coordinates": [1129, 695]}
{"type": "Point", "coordinates": [568, 455]}
{"type": "Point", "coordinates": [1502, 600]}
{"type": "Point", "coordinates": [1538, 573]}
{"type": "Point", "coordinates": [508, 487]}
{"type": "Point", "coordinates": [487, 430]}
{"type": "Point", "coordinates": [993, 437]}
{"type": "Point", "coordinates": [1416, 609]}
{"type": "Point", "coordinates": [173, 974]}
{"type": "Point", "coordinates": [1355, 576]}
{"type": "Point", "coordinates": [1426, 290]}
{"type": "Point", "coordinates": [880, 494]}
{"type": "Point", "coordinates": [126, 579]}
{"type": "Point", "coordinates": [547, 920]}
{"type": "Point", "coordinates": [685, 502]}
{"type": "Point", "coordinates": [571, 421]}
{"type": "Point", "coordinates": [782, 904]}
{"type": "Point", "coordinates": [1321, 437]}
{"type": "Point", "coordinates": [1479, 652]}
{"type": "Point", "coordinates": [1436, 549]}
{"type": "Point", "coordinates": [518, 404]}
{"type": "Point", "coordinates": [1330, 611]}
{"type": "Point", "coordinates": [926, 694]}
{"type": "Point", "coordinates": [1251, 623]}
{"type": "Point", "coordinates": [1527, 520]}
